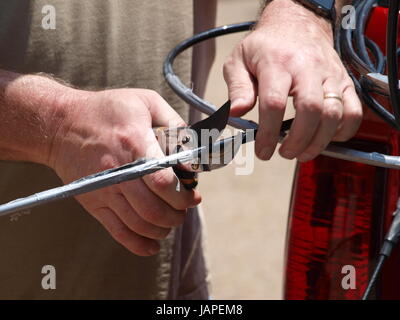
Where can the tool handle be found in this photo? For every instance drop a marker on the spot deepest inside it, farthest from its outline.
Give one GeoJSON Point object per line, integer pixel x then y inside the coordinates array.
{"type": "Point", "coordinates": [187, 178]}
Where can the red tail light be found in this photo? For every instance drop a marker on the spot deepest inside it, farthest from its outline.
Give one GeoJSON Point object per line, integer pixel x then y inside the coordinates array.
{"type": "Point", "coordinates": [335, 203]}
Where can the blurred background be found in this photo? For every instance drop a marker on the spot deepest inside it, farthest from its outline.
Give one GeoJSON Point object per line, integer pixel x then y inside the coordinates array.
{"type": "Point", "coordinates": [246, 215]}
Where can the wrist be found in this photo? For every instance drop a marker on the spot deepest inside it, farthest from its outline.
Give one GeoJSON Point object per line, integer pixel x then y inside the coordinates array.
{"type": "Point", "coordinates": [68, 107]}
{"type": "Point", "coordinates": [291, 10]}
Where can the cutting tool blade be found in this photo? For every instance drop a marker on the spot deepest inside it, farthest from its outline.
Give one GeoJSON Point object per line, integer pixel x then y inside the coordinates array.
{"type": "Point", "coordinates": [215, 122]}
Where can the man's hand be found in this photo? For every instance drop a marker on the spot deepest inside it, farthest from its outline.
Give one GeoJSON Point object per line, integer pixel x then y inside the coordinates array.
{"type": "Point", "coordinates": [290, 53]}
{"type": "Point", "coordinates": [78, 133]}
{"type": "Point", "coordinates": [108, 129]}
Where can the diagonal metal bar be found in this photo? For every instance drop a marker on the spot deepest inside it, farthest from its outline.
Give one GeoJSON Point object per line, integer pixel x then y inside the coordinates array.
{"type": "Point", "coordinates": [131, 171]}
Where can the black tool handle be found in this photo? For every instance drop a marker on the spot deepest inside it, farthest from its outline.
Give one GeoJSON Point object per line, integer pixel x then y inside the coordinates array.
{"type": "Point", "coordinates": [187, 178]}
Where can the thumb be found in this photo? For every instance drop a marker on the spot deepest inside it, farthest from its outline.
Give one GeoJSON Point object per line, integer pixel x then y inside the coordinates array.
{"type": "Point", "coordinates": [241, 86]}
{"type": "Point", "coordinates": [162, 114]}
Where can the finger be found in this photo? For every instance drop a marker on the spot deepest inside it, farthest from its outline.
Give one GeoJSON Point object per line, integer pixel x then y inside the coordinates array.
{"type": "Point", "coordinates": [308, 101]}
{"type": "Point", "coordinates": [274, 86]}
{"type": "Point", "coordinates": [162, 114]}
{"type": "Point", "coordinates": [164, 182]}
{"type": "Point", "coordinates": [150, 207]}
{"type": "Point", "coordinates": [241, 85]}
{"type": "Point", "coordinates": [121, 233]}
{"type": "Point", "coordinates": [133, 221]}
{"type": "Point", "coordinates": [330, 120]}
{"type": "Point", "coordinates": [352, 115]}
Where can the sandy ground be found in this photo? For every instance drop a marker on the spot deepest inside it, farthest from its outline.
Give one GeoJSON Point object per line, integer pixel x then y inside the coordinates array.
{"type": "Point", "coordinates": [246, 215]}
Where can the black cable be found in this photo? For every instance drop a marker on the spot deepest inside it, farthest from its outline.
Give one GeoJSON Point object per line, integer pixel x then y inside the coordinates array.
{"type": "Point", "coordinates": [392, 60]}
{"type": "Point", "coordinates": [389, 243]}
{"type": "Point", "coordinates": [361, 21]}
{"type": "Point", "coordinates": [363, 90]}
{"type": "Point", "coordinates": [374, 278]}
{"type": "Point", "coordinates": [380, 59]}
{"type": "Point", "coordinates": [351, 55]}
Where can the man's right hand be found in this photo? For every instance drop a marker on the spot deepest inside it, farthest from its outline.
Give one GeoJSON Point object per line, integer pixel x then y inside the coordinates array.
{"type": "Point", "coordinates": [107, 129]}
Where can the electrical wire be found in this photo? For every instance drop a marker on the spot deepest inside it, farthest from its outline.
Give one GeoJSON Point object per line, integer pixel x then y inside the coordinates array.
{"type": "Point", "coordinates": [361, 21]}
{"type": "Point", "coordinates": [354, 54]}
{"type": "Point", "coordinates": [391, 240]}
{"type": "Point", "coordinates": [374, 278]}
{"type": "Point", "coordinates": [392, 57]}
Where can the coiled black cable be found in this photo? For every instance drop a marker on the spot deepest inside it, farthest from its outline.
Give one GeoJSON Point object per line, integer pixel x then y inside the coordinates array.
{"type": "Point", "coordinates": [392, 57]}
{"type": "Point", "coordinates": [354, 48]}
{"type": "Point", "coordinates": [361, 21]}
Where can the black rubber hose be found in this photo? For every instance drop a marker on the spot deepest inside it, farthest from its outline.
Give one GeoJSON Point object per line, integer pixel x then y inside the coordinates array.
{"type": "Point", "coordinates": [359, 32]}
{"type": "Point", "coordinates": [392, 60]}
{"type": "Point", "coordinates": [349, 54]}
{"type": "Point", "coordinates": [380, 59]}
{"type": "Point", "coordinates": [374, 278]}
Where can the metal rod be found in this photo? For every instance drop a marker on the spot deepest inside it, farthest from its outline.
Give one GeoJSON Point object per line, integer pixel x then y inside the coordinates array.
{"type": "Point", "coordinates": [103, 179]}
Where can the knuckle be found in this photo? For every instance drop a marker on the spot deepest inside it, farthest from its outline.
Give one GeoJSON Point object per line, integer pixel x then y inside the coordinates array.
{"type": "Point", "coordinates": [152, 94]}
{"type": "Point", "coordinates": [317, 60]}
{"type": "Point", "coordinates": [126, 140]}
{"type": "Point", "coordinates": [315, 55]}
{"type": "Point", "coordinates": [275, 102]}
{"type": "Point", "coordinates": [309, 104]}
{"type": "Point", "coordinates": [228, 65]}
{"type": "Point", "coordinates": [238, 86]}
{"type": "Point", "coordinates": [107, 162]}
{"type": "Point", "coordinates": [355, 115]}
{"type": "Point", "coordinates": [309, 56]}
{"type": "Point", "coordinates": [348, 83]}
{"type": "Point", "coordinates": [337, 70]}
{"type": "Point", "coordinates": [278, 54]}
{"type": "Point", "coordinates": [332, 113]}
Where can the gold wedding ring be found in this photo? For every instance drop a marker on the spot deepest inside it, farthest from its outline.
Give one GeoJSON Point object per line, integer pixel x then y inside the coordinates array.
{"type": "Point", "coordinates": [331, 95]}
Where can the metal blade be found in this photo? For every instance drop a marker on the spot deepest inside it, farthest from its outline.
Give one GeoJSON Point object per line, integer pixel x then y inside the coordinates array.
{"type": "Point", "coordinates": [216, 121]}
{"type": "Point", "coordinates": [224, 151]}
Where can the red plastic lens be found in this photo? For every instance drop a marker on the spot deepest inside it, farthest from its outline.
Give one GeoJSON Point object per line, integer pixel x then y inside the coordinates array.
{"type": "Point", "coordinates": [335, 203]}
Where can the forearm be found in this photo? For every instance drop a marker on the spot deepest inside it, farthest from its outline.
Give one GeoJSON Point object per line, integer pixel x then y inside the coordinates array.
{"type": "Point", "coordinates": [31, 111]}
